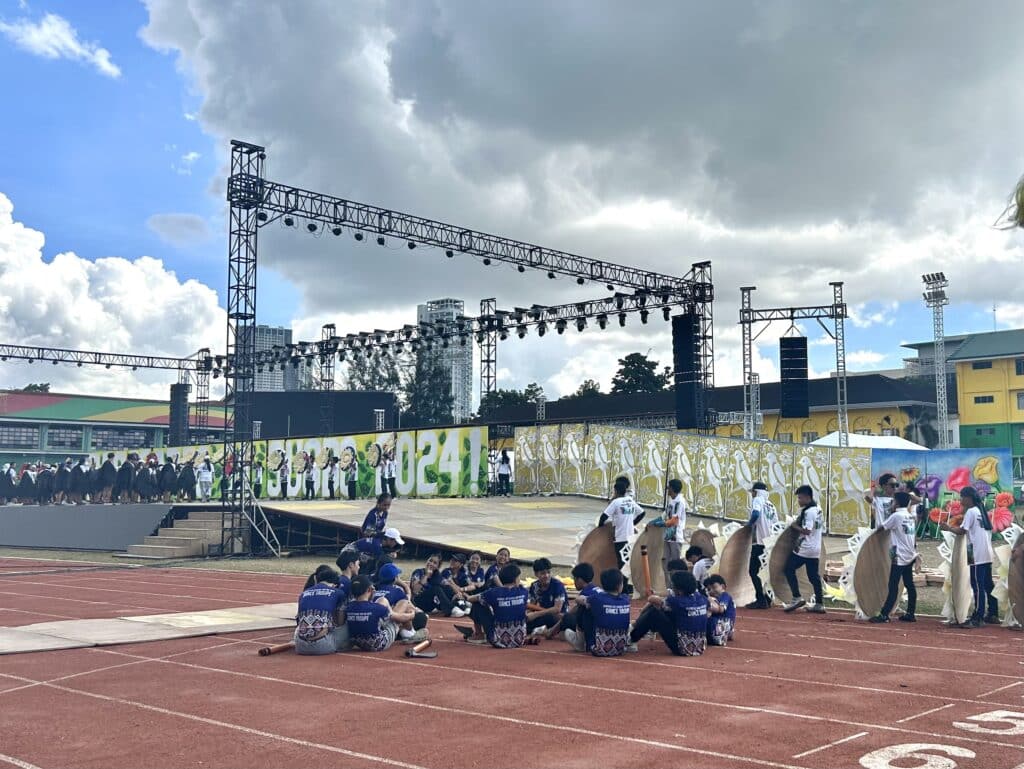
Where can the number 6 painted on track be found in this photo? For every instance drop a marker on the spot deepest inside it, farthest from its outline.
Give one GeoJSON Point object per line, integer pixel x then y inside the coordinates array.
{"type": "Point", "coordinates": [883, 757]}
{"type": "Point", "coordinates": [1014, 722]}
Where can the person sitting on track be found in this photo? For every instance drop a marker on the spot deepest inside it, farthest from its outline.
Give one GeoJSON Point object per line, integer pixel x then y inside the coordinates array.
{"type": "Point", "coordinates": [721, 611]}
{"type": "Point", "coordinates": [502, 558]}
{"type": "Point", "coordinates": [681, 619]}
{"type": "Point", "coordinates": [375, 551]}
{"type": "Point", "coordinates": [455, 582]}
{"type": "Point", "coordinates": [499, 613]}
{"type": "Point", "coordinates": [583, 580]}
{"type": "Point", "coordinates": [604, 615]}
{"type": "Point", "coordinates": [373, 625]}
{"type": "Point", "coordinates": [321, 613]}
{"type": "Point", "coordinates": [398, 598]}
{"type": "Point", "coordinates": [376, 521]}
{"type": "Point", "coordinates": [700, 564]}
{"type": "Point", "coordinates": [475, 574]}
{"type": "Point", "coordinates": [548, 599]}
{"type": "Point", "coordinates": [428, 594]}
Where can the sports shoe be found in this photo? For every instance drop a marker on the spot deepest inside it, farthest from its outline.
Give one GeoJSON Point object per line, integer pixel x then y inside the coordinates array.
{"type": "Point", "coordinates": [539, 630]}
{"type": "Point", "coordinates": [467, 632]}
{"type": "Point", "coordinates": [575, 640]}
{"type": "Point", "coordinates": [477, 641]}
{"type": "Point", "coordinates": [633, 648]}
{"type": "Point", "coordinates": [992, 619]}
{"type": "Point", "coordinates": [880, 619]}
{"type": "Point", "coordinates": [457, 613]}
{"type": "Point", "coordinates": [970, 624]}
{"type": "Point", "coordinates": [758, 605]}
{"type": "Point", "coordinates": [793, 605]}
{"type": "Point", "coordinates": [406, 634]}
{"type": "Point", "coordinates": [908, 618]}
{"type": "Point", "coordinates": [816, 609]}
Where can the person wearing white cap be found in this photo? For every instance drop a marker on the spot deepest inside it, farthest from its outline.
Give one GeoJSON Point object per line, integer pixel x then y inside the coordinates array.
{"type": "Point", "coordinates": [374, 552]}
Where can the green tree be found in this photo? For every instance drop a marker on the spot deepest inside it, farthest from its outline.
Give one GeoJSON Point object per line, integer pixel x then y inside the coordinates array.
{"type": "Point", "coordinates": [533, 392]}
{"type": "Point", "coordinates": [638, 374]}
{"type": "Point", "coordinates": [588, 389]}
{"type": "Point", "coordinates": [377, 372]}
{"type": "Point", "coordinates": [427, 388]}
{"type": "Point", "coordinates": [42, 387]}
{"type": "Point", "coordinates": [495, 401]}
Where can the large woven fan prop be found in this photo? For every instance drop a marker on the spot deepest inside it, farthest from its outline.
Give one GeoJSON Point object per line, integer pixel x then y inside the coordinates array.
{"type": "Point", "coordinates": [1013, 215]}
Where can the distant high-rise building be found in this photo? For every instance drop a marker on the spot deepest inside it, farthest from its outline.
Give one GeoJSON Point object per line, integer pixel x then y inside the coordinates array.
{"type": "Point", "coordinates": [456, 358]}
{"type": "Point", "coordinates": [274, 379]}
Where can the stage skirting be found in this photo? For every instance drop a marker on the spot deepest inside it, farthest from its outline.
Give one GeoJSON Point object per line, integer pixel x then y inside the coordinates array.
{"type": "Point", "coordinates": [81, 527]}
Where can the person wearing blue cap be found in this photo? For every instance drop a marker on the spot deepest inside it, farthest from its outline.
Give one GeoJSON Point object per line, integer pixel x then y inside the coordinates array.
{"type": "Point", "coordinates": [414, 630]}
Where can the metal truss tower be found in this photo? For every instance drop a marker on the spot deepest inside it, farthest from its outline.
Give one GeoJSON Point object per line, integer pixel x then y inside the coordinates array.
{"type": "Point", "coordinates": [325, 362]}
{"type": "Point", "coordinates": [936, 298]}
{"type": "Point", "coordinates": [487, 338]}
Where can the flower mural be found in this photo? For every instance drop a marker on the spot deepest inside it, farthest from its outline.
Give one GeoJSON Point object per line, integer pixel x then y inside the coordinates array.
{"type": "Point", "coordinates": [987, 469]}
{"type": "Point", "coordinates": [1002, 519]}
{"type": "Point", "coordinates": [959, 478]}
{"type": "Point", "coordinates": [910, 474]}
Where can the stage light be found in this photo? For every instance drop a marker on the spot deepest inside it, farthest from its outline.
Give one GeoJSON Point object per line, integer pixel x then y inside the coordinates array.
{"type": "Point", "coordinates": [487, 262]}
{"type": "Point", "coordinates": [666, 312]}
{"type": "Point", "coordinates": [521, 268]}
{"type": "Point", "coordinates": [521, 331]}
{"type": "Point", "coordinates": [358, 236]}
{"type": "Point", "coordinates": [107, 366]}
{"type": "Point", "coordinates": [642, 298]}
{"type": "Point", "coordinates": [295, 362]}
{"type": "Point", "coordinates": [262, 216]}
{"type": "Point", "coordinates": [341, 356]}
{"type": "Point", "coordinates": [581, 281]}
{"type": "Point", "coordinates": [380, 240]}
{"type": "Point", "coordinates": [560, 325]}
{"type": "Point", "coordinates": [581, 323]}
{"type": "Point", "coordinates": [462, 341]}
{"type": "Point", "coordinates": [602, 321]}
{"type": "Point", "coordinates": [551, 275]}
{"type": "Point", "coordinates": [449, 253]}
{"type": "Point", "coordinates": [622, 319]}
{"type": "Point", "coordinates": [620, 300]}
{"type": "Point", "coordinates": [336, 231]}
{"type": "Point", "coordinates": [411, 245]}
{"type": "Point", "coordinates": [610, 287]}
{"type": "Point", "coordinates": [444, 343]}
{"type": "Point", "coordinates": [542, 328]}
{"type": "Point", "coordinates": [134, 368]}
{"type": "Point", "coordinates": [644, 315]}
{"type": "Point", "coordinates": [479, 337]}
{"type": "Point", "coordinates": [503, 334]}
{"type": "Point", "coordinates": [4, 358]}
{"type": "Point", "coordinates": [79, 363]}
{"type": "Point", "coordinates": [216, 373]}
{"type": "Point", "coordinates": [289, 221]}
{"type": "Point", "coordinates": [311, 226]}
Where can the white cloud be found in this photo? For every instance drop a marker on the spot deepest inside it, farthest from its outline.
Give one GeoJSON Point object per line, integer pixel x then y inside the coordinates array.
{"type": "Point", "coordinates": [179, 229]}
{"type": "Point", "coordinates": [53, 37]}
{"type": "Point", "coordinates": [866, 358]}
{"type": "Point", "coordinates": [190, 116]}
{"type": "Point", "coordinates": [111, 304]}
{"type": "Point", "coordinates": [185, 163]}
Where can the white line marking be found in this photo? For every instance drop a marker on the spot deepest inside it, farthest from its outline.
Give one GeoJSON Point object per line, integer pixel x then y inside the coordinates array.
{"type": "Point", "coordinates": [17, 762]}
{"type": "Point", "coordinates": [228, 725]}
{"type": "Point", "coordinates": [572, 684]}
{"type": "Point", "coordinates": [921, 715]}
{"type": "Point", "coordinates": [830, 745]}
{"type": "Point", "coordinates": [1001, 688]}
{"type": "Point", "coordinates": [141, 593]}
{"type": "Point", "coordinates": [170, 584]}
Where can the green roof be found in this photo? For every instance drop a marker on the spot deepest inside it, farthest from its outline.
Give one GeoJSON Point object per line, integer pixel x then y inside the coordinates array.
{"type": "Point", "coordinates": [994, 344]}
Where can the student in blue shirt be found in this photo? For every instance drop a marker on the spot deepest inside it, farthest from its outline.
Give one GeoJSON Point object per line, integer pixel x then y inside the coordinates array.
{"type": "Point", "coordinates": [398, 599]}
{"type": "Point", "coordinates": [428, 594]}
{"type": "Point", "coordinates": [499, 613]}
{"type": "Point", "coordinates": [681, 619]}
{"type": "Point", "coordinates": [502, 558]}
{"type": "Point", "coordinates": [605, 617]}
{"type": "Point", "coordinates": [548, 599]}
{"type": "Point", "coordinates": [373, 625]}
{"type": "Point", "coordinates": [568, 625]}
{"type": "Point", "coordinates": [375, 551]}
{"type": "Point", "coordinates": [376, 521]}
{"type": "Point", "coordinates": [321, 612]}
{"type": "Point", "coordinates": [721, 611]}
{"type": "Point", "coordinates": [475, 574]}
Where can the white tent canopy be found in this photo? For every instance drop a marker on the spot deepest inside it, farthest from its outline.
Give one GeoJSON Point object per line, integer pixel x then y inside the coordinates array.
{"type": "Point", "coordinates": [870, 442]}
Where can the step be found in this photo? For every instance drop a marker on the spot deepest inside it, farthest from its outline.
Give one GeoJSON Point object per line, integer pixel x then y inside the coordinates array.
{"type": "Point", "coordinates": [173, 541]}
{"type": "Point", "coordinates": [134, 557]}
{"type": "Point", "coordinates": [204, 515]}
{"type": "Point", "coordinates": [200, 535]}
{"type": "Point", "coordinates": [165, 551]}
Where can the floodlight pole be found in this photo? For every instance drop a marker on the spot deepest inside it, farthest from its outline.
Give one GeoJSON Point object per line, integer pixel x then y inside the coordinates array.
{"type": "Point", "coordinates": [936, 298]}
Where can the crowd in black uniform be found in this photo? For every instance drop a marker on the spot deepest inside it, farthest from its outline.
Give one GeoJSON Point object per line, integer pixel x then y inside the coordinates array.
{"type": "Point", "coordinates": [81, 481]}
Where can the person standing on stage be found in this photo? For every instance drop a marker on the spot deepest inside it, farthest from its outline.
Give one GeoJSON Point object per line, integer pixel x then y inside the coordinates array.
{"type": "Point", "coordinates": [388, 473]}
{"type": "Point", "coordinates": [352, 474]}
{"type": "Point", "coordinates": [308, 475]}
{"type": "Point", "coordinates": [807, 553]}
{"type": "Point", "coordinates": [282, 474]}
{"type": "Point", "coordinates": [332, 474]}
{"type": "Point", "coordinates": [108, 477]}
{"type": "Point", "coordinates": [504, 474]}
{"type": "Point", "coordinates": [204, 474]}
{"type": "Point", "coordinates": [763, 517]}
{"type": "Point", "coordinates": [257, 479]}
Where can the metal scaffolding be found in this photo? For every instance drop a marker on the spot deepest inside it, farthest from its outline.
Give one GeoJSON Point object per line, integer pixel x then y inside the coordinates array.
{"type": "Point", "coordinates": [936, 298]}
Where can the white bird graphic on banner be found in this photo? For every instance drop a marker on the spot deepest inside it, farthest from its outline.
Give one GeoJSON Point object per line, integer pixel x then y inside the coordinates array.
{"type": "Point", "coordinates": [549, 456]}
{"type": "Point", "coordinates": [777, 481]}
{"type": "Point", "coordinates": [600, 458]}
{"type": "Point", "coordinates": [810, 475]}
{"type": "Point", "coordinates": [713, 476]}
{"type": "Point", "coordinates": [684, 472]}
{"type": "Point", "coordinates": [653, 460]}
{"type": "Point", "coordinates": [626, 459]}
{"type": "Point", "coordinates": [575, 458]}
{"type": "Point", "coordinates": [851, 486]}
{"type": "Point", "coordinates": [741, 474]}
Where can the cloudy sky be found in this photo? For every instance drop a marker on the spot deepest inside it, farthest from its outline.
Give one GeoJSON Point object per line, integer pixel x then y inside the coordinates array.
{"type": "Point", "coordinates": [791, 143]}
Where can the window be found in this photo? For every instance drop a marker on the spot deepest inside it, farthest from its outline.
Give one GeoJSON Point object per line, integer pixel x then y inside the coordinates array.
{"type": "Point", "coordinates": [1019, 365]}
{"type": "Point", "coordinates": [985, 431]}
{"type": "Point", "coordinates": [810, 437]}
{"type": "Point", "coordinates": [889, 431]}
{"type": "Point", "coordinates": [64, 438]}
{"type": "Point", "coordinates": [119, 438]}
{"type": "Point", "coordinates": [1020, 401]}
{"type": "Point", "coordinates": [785, 437]}
{"type": "Point", "coordinates": [980, 364]}
{"type": "Point", "coordinates": [862, 432]}
{"type": "Point", "coordinates": [984, 399]}
{"type": "Point", "coordinates": [19, 436]}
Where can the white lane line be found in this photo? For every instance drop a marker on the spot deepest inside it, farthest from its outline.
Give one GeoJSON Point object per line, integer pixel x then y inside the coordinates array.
{"type": "Point", "coordinates": [830, 745]}
{"type": "Point", "coordinates": [17, 762]}
{"type": "Point", "coordinates": [1001, 689]}
{"type": "Point", "coordinates": [228, 725]}
{"type": "Point", "coordinates": [567, 684]}
{"type": "Point", "coordinates": [922, 715]}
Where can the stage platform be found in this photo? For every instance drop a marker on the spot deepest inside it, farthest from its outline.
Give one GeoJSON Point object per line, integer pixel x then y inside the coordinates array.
{"type": "Point", "coordinates": [530, 527]}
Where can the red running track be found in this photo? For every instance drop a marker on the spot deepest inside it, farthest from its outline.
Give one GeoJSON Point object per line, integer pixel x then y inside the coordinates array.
{"type": "Point", "coordinates": [792, 691]}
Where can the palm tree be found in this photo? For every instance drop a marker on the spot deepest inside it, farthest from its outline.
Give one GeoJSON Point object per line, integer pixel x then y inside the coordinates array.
{"type": "Point", "coordinates": [1013, 215]}
{"type": "Point", "coordinates": [921, 427]}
